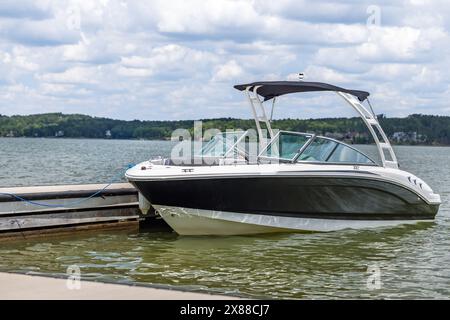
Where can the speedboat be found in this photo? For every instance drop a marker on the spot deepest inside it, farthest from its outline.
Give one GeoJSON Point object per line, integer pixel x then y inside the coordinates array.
{"type": "Point", "coordinates": [295, 182]}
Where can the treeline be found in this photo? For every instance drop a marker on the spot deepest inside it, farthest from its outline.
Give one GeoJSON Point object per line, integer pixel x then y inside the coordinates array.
{"type": "Point", "coordinates": [83, 126]}
{"type": "Point", "coordinates": [414, 129]}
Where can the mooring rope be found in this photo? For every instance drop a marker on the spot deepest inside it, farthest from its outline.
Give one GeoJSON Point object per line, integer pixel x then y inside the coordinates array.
{"type": "Point", "coordinates": [68, 204]}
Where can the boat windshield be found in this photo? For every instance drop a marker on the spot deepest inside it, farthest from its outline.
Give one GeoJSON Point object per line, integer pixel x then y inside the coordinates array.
{"type": "Point", "coordinates": [298, 147]}
{"type": "Point", "coordinates": [221, 144]}
{"type": "Point", "coordinates": [286, 145]}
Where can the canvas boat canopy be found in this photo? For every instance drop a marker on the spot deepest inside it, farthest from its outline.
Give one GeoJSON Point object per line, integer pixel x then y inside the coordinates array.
{"type": "Point", "coordinates": [272, 89]}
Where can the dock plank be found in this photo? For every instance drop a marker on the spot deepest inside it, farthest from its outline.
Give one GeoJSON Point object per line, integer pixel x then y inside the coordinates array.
{"type": "Point", "coordinates": [66, 206]}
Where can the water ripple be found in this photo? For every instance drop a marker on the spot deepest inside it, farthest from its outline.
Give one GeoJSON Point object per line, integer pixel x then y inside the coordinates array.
{"type": "Point", "coordinates": [414, 261]}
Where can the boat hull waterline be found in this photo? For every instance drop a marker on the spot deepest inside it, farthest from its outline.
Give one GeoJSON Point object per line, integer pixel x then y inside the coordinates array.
{"type": "Point", "coordinates": [197, 222]}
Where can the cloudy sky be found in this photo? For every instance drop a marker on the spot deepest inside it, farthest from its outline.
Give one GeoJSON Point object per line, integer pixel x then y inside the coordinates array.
{"type": "Point", "coordinates": [174, 59]}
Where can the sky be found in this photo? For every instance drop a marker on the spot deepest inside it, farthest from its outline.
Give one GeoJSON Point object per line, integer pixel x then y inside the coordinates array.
{"type": "Point", "coordinates": [179, 59]}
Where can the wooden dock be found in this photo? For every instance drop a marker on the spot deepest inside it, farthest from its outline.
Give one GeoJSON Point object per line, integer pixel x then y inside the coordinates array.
{"type": "Point", "coordinates": [30, 287]}
{"type": "Point", "coordinates": [70, 209]}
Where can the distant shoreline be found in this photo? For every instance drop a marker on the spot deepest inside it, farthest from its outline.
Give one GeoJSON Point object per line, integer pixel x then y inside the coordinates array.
{"type": "Point", "coordinates": [168, 140]}
{"type": "Point", "coordinates": [84, 138]}
{"type": "Point", "coordinates": [416, 129]}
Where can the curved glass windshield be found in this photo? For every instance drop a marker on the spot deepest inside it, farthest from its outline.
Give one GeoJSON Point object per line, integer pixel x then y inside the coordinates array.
{"type": "Point", "coordinates": [318, 150]}
{"type": "Point", "coordinates": [286, 145]}
{"type": "Point", "coordinates": [344, 153]}
{"type": "Point", "coordinates": [292, 146]}
{"type": "Point", "coordinates": [220, 144]}
{"type": "Point", "coordinates": [327, 150]}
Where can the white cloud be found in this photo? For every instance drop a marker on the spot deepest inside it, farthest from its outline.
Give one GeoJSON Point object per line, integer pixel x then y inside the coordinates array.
{"type": "Point", "coordinates": [168, 61]}
{"type": "Point", "coordinates": [324, 74]}
{"type": "Point", "coordinates": [30, 9]}
{"type": "Point", "coordinates": [75, 75]}
{"type": "Point", "coordinates": [164, 59]}
{"type": "Point", "coordinates": [228, 71]}
{"type": "Point", "coordinates": [204, 17]}
{"type": "Point", "coordinates": [405, 43]}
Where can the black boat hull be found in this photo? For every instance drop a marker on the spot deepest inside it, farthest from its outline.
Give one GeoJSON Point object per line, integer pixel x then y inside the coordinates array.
{"type": "Point", "coordinates": [343, 198]}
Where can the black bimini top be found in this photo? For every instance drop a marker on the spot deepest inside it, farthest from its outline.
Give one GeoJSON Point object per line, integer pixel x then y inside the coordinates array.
{"type": "Point", "coordinates": [272, 89]}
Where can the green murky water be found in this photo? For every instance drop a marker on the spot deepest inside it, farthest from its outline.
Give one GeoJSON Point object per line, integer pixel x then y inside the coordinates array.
{"type": "Point", "coordinates": [414, 261]}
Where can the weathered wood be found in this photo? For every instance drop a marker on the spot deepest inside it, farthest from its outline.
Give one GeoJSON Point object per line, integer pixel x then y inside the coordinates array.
{"type": "Point", "coordinates": [114, 205]}
{"type": "Point", "coordinates": [61, 210]}
{"type": "Point", "coordinates": [67, 189]}
{"type": "Point", "coordinates": [132, 224]}
{"type": "Point", "coordinates": [49, 220]}
{"type": "Point", "coordinates": [7, 208]}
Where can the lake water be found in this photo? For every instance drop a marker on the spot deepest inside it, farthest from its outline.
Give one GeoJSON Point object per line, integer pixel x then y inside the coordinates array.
{"type": "Point", "coordinates": [413, 261]}
{"type": "Point", "coordinates": [39, 161]}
